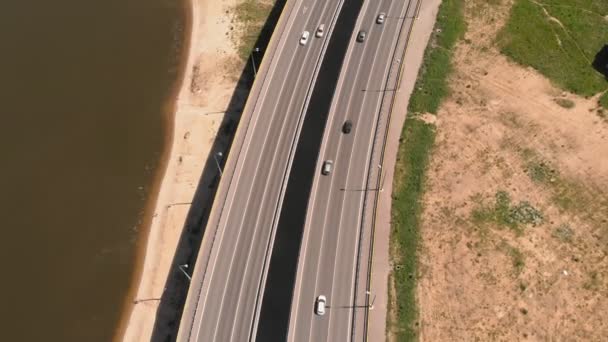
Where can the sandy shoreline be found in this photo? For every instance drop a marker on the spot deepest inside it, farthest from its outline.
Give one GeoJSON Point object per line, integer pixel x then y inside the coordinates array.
{"type": "Point", "coordinates": [128, 318]}
{"type": "Point", "coordinates": [203, 96]}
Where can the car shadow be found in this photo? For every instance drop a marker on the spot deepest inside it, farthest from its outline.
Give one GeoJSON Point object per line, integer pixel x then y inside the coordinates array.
{"type": "Point", "coordinates": [172, 301]}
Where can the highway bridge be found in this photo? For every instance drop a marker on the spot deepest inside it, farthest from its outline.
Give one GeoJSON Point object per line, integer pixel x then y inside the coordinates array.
{"type": "Point", "coordinates": [281, 233]}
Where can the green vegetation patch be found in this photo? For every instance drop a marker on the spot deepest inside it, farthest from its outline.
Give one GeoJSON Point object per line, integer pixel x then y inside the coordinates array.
{"type": "Point", "coordinates": [567, 195]}
{"type": "Point", "coordinates": [539, 170]}
{"type": "Point", "coordinates": [431, 85]}
{"type": "Point", "coordinates": [250, 16]}
{"type": "Point", "coordinates": [518, 259]}
{"type": "Point", "coordinates": [417, 139]}
{"type": "Point", "coordinates": [559, 38]}
{"type": "Point", "coordinates": [505, 214]}
{"type": "Point", "coordinates": [563, 233]}
{"type": "Point", "coordinates": [413, 156]}
{"type": "Point", "coordinates": [564, 103]}
{"type": "Point", "coordinates": [604, 100]}
{"type": "Point", "coordinates": [603, 112]}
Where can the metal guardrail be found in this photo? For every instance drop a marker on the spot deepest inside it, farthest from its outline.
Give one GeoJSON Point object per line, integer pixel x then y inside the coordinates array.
{"type": "Point", "coordinates": [382, 149]}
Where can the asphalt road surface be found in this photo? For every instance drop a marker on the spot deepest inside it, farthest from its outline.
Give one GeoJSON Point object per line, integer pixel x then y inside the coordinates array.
{"type": "Point", "coordinates": [335, 245]}
{"type": "Point", "coordinates": [278, 292]}
{"type": "Point", "coordinates": [225, 294]}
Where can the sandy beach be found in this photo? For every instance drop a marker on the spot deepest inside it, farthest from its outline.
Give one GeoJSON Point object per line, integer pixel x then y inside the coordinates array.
{"type": "Point", "coordinates": [207, 88]}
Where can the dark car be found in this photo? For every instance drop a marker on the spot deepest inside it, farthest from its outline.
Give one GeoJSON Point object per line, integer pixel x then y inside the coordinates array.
{"type": "Point", "coordinates": [361, 36]}
{"type": "Point", "coordinates": [347, 127]}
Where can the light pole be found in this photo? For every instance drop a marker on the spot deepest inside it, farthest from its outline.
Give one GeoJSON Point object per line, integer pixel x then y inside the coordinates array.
{"type": "Point", "coordinates": [399, 74]}
{"type": "Point", "coordinates": [381, 177]}
{"type": "Point", "coordinates": [181, 268]}
{"type": "Point", "coordinates": [253, 61]}
{"type": "Point", "coordinates": [219, 154]}
{"type": "Point", "coordinates": [371, 305]}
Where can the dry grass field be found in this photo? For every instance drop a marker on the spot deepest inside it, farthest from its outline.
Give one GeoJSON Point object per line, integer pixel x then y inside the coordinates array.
{"type": "Point", "coordinates": [513, 231]}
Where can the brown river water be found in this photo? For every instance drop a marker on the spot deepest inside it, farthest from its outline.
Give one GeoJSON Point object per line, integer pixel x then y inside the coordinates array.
{"type": "Point", "coordinates": [85, 103]}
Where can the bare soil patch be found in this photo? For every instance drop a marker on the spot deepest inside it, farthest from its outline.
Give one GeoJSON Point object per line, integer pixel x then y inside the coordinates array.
{"type": "Point", "coordinates": [515, 226]}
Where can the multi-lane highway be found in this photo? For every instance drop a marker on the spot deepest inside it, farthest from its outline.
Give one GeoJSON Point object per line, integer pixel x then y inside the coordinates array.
{"type": "Point", "coordinates": [224, 298]}
{"type": "Point", "coordinates": [228, 285]}
{"type": "Point", "coordinates": [336, 242]}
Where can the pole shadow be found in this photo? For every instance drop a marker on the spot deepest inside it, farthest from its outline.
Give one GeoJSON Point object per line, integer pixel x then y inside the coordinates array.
{"type": "Point", "coordinates": [172, 301]}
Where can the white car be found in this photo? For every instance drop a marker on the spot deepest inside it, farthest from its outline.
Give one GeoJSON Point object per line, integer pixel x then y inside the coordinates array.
{"type": "Point", "coordinates": [320, 31]}
{"type": "Point", "coordinates": [327, 167]}
{"type": "Point", "coordinates": [381, 17]}
{"type": "Point", "coordinates": [304, 38]}
{"type": "Point", "coordinates": [320, 305]}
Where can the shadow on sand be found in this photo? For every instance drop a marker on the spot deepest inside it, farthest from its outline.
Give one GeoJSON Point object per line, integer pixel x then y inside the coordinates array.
{"type": "Point", "coordinates": [172, 301]}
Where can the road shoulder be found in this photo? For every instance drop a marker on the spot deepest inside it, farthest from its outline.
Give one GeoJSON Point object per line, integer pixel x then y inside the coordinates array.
{"type": "Point", "coordinates": [416, 46]}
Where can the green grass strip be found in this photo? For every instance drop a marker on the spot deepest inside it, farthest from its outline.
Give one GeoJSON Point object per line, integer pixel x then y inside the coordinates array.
{"type": "Point", "coordinates": [417, 140]}
{"type": "Point", "coordinates": [413, 156]}
{"type": "Point", "coordinates": [431, 86]}
{"type": "Point", "coordinates": [251, 15]}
